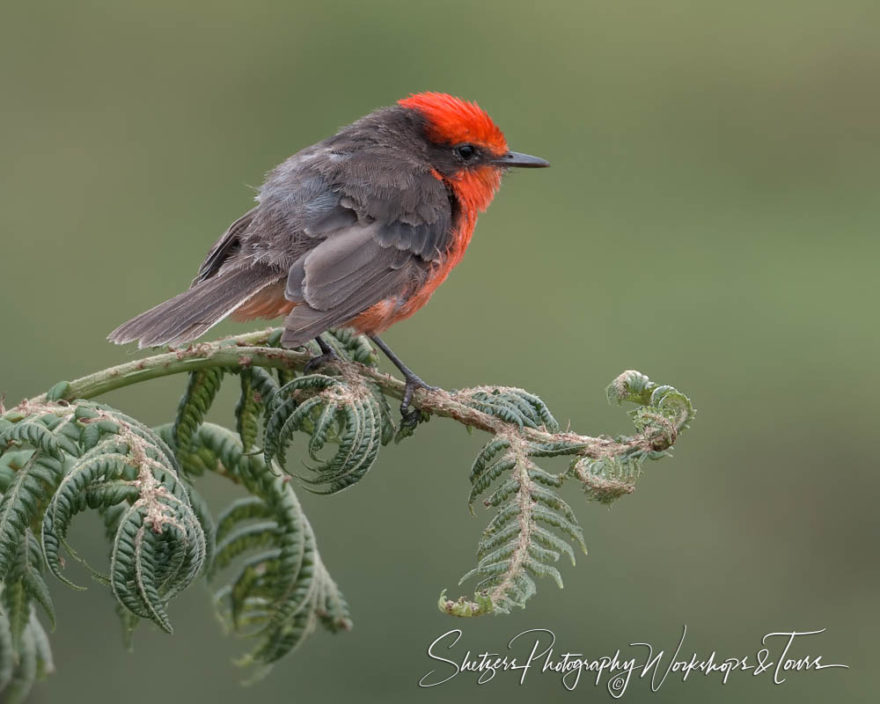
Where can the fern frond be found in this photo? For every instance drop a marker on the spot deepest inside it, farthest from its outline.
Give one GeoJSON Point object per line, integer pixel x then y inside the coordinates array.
{"type": "Point", "coordinates": [23, 500]}
{"type": "Point", "coordinates": [86, 456]}
{"type": "Point", "coordinates": [244, 538]}
{"type": "Point", "coordinates": [201, 390]}
{"type": "Point", "coordinates": [340, 411]}
{"type": "Point", "coordinates": [662, 413]}
{"type": "Point", "coordinates": [61, 455]}
{"type": "Point", "coordinates": [511, 405]}
{"type": "Point", "coordinates": [532, 526]}
{"type": "Point", "coordinates": [158, 551]}
{"type": "Point", "coordinates": [280, 586]}
{"type": "Point", "coordinates": [514, 548]}
{"type": "Point", "coordinates": [25, 659]}
{"type": "Point", "coordinates": [351, 347]}
{"type": "Point", "coordinates": [32, 577]}
{"type": "Point", "coordinates": [7, 651]}
{"type": "Point", "coordinates": [257, 387]}
{"type": "Point", "coordinates": [247, 508]}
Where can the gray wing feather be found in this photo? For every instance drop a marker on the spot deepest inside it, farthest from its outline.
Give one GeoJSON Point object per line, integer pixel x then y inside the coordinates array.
{"type": "Point", "coordinates": [304, 322]}
{"type": "Point", "coordinates": [352, 264]}
{"type": "Point", "coordinates": [342, 277]}
{"type": "Point", "coordinates": [225, 247]}
{"type": "Point", "coordinates": [346, 265]}
{"type": "Point", "coordinates": [189, 314]}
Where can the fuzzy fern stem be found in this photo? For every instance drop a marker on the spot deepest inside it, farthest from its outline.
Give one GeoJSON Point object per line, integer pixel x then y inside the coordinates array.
{"type": "Point", "coordinates": [248, 350]}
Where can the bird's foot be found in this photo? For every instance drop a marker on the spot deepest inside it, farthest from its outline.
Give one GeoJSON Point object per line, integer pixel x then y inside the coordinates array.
{"type": "Point", "coordinates": [411, 417]}
{"type": "Point", "coordinates": [327, 356]}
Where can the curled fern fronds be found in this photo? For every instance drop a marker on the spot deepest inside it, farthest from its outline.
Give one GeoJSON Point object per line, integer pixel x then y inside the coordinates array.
{"type": "Point", "coordinates": [25, 655]}
{"type": "Point", "coordinates": [129, 464]}
{"type": "Point", "coordinates": [662, 413]}
{"type": "Point", "coordinates": [62, 454]}
{"type": "Point", "coordinates": [335, 411]}
{"type": "Point", "coordinates": [72, 457]}
{"type": "Point", "coordinates": [56, 460]}
{"type": "Point", "coordinates": [279, 589]}
{"type": "Point", "coordinates": [532, 526]}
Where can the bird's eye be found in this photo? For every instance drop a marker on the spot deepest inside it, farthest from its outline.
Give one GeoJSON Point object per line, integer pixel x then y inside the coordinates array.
{"type": "Point", "coordinates": [466, 152]}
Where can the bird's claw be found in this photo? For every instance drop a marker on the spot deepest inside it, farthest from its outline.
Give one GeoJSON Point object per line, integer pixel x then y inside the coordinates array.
{"type": "Point", "coordinates": [321, 360]}
{"type": "Point", "coordinates": [411, 417]}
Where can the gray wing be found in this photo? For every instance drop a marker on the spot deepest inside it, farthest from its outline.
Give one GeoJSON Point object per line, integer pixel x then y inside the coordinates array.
{"type": "Point", "coordinates": [342, 277]}
{"type": "Point", "coordinates": [225, 247]}
{"type": "Point", "coordinates": [363, 258]}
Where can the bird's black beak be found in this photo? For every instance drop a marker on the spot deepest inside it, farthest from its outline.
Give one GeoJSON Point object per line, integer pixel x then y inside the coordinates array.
{"type": "Point", "coordinates": [525, 161]}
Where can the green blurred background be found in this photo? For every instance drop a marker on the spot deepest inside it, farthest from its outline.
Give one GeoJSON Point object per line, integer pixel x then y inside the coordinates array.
{"type": "Point", "coordinates": [710, 219]}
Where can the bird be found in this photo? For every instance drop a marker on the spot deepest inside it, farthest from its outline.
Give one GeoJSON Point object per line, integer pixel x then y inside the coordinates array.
{"type": "Point", "coordinates": [357, 230]}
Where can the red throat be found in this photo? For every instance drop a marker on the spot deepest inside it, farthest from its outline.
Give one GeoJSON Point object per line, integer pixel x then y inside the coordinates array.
{"type": "Point", "coordinates": [476, 188]}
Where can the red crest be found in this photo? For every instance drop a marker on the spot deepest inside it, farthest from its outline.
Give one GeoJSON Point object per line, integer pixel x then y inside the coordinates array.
{"type": "Point", "coordinates": [454, 121]}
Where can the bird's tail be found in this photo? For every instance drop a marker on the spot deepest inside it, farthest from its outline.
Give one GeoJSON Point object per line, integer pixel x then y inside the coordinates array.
{"type": "Point", "coordinates": [191, 313]}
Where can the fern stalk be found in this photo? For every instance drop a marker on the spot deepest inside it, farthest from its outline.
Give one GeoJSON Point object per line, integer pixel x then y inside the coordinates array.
{"type": "Point", "coordinates": [246, 350]}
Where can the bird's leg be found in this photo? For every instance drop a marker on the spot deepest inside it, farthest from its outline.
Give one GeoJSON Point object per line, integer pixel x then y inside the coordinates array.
{"type": "Point", "coordinates": [327, 355]}
{"type": "Point", "coordinates": [410, 417]}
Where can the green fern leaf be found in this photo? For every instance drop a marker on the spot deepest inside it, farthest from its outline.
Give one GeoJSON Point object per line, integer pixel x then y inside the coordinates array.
{"type": "Point", "coordinates": [257, 387]}
{"type": "Point", "coordinates": [7, 651]}
{"type": "Point", "coordinates": [22, 502]}
{"type": "Point", "coordinates": [515, 406]}
{"type": "Point", "coordinates": [25, 673]}
{"type": "Point", "coordinates": [332, 410]}
{"type": "Point", "coordinates": [247, 508]}
{"type": "Point", "coordinates": [515, 547]}
{"type": "Point", "coordinates": [280, 587]}
{"type": "Point", "coordinates": [197, 399]}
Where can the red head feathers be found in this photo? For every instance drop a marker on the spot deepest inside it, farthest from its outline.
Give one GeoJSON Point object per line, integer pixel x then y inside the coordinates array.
{"type": "Point", "coordinates": [454, 121]}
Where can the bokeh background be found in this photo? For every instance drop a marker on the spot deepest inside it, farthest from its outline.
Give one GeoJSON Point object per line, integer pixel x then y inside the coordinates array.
{"type": "Point", "coordinates": [710, 218]}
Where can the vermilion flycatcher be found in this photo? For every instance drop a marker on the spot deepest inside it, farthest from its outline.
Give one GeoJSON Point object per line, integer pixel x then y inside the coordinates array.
{"type": "Point", "coordinates": [357, 230]}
